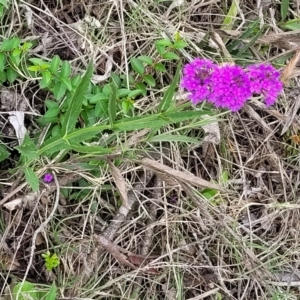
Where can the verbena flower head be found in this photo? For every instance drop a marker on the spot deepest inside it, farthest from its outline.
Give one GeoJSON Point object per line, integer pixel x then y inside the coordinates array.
{"type": "Point", "coordinates": [230, 87]}
{"type": "Point", "coordinates": [48, 178]}
{"type": "Point", "coordinates": [196, 79]}
{"type": "Point", "coordinates": [265, 80]}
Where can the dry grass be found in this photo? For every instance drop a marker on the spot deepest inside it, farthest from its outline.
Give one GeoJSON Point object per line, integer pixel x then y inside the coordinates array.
{"type": "Point", "coordinates": [138, 232]}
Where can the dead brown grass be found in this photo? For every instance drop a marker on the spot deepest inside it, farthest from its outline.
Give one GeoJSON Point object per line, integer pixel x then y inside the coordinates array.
{"type": "Point", "coordinates": [147, 232]}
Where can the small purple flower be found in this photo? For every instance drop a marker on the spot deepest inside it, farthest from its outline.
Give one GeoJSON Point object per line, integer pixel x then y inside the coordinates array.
{"type": "Point", "coordinates": [48, 178]}
{"type": "Point", "coordinates": [265, 80]}
{"type": "Point", "coordinates": [196, 79]}
{"type": "Point", "coordinates": [230, 87]}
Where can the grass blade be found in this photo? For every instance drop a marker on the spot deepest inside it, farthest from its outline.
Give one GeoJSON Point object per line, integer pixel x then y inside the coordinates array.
{"type": "Point", "coordinates": [167, 100]}
{"type": "Point", "coordinates": [231, 16]}
{"type": "Point", "coordinates": [76, 102]}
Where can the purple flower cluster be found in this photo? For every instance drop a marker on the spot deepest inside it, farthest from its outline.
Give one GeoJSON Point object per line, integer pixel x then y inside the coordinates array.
{"type": "Point", "coordinates": [230, 86]}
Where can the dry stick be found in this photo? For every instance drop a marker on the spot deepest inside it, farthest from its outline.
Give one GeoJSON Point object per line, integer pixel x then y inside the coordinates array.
{"type": "Point", "coordinates": [41, 227]}
{"type": "Point", "coordinates": [149, 230]}
{"type": "Point", "coordinates": [103, 241]}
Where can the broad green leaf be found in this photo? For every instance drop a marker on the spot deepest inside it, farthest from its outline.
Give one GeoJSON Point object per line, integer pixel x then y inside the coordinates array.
{"type": "Point", "coordinates": [180, 44]}
{"type": "Point", "coordinates": [46, 79]}
{"type": "Point", "coordinates": [54, 65]}
{"type": "Point", "coordinates": [59, 90]}
{"type": "Point", "coordinates": [4, 3]}
{"type": "Point", "coordinates": [3, 76]}
{"type": "Point", "coordinates": [75, 81]}
{"type": "Point", "coordinates": [34, 68]}
{"type": "Point", "coordinates": [149, 80]}
{"type": "Point", "coordinates": [98, 97]}
{"type": "Point", "coordinates": [160, 67]}
{"type": "Point", "coordinates": [67, 82]}
{"type": "Point", "coordinates": [142, 87]}
{"type": "Point", "coordinates": [173, 138]}
{"type": "Point", "coordinates": [168, 100]}
{"type": "Point", "coordinates": [209, 193]}
{"type": "Point", "coordinates": [56, 130]}
{"type": "Point", "coordinates": [11, 74]}
{"type": "Point", "coordinates": [135, 93]}
{"type": "Point", "coordinates": [115, 79]}
{"type": "Point", "coordinates": [28, 148]}
{"type": "Point", "coordinates": [122, 93]}
{"type": "Point", "coordinates": [170, 56]}
{"type": "Point", "coordinates": [39, 62]}
{"type": "Point", "coordinates": [10, 44]}
{"type": "Point", "coordinates": [23, 291]}
{"type": "Point", "coordinates": [160, 49]}
{"type": "Point", "coordinates": [4, 154]}
{"type": "Point", "coordinates": [2, 61]}
{"type": "Point", "coordinates": [231, 15]}
{"type": "Point", "coordinates": [65, 71]}
{"type": "Point", "coordinates": [51, 104]}
{"type": "Point", "coordinates": [137, 65]}
{"type": "Point", "coordinates": [76, 100]}
{"type": "Point", "coordinates": [146, 59]}
{"type": "Point", "coordinates": [51, 113]}
{"type": "Point", "coordinates": [101, 109]}
{"type": "Point", "coordinates": [165, 42]}
{"type": "Point", "coordinates": [32, 179]}
{"type": "Point", "coordinates": [112, 105]}
{"type": "Point", "coordinates": [52, 293]}
{"type": "Point", "coordinates": [284, 8]}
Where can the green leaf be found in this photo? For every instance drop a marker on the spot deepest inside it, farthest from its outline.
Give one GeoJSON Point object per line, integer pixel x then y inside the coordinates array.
{"type": "Point", "coordinates": [4, 154]}
{"type": "Point", "coordinates": [76, 100]}
{"type": "Point", "coordinates": [149, 80]}
{"type": "Point", "coordinates": [39, 62]}
{"type": "Point", "coordinates": [34, 68]}
{"type": "Point", "coordinates": [160, 67]}
{"type": "Point", "coordinates": [135, 93]}
{"type": "Point", "coordinates": [160, 49]}
{"type": "Point", "coordinates": [28, 148]}
{"type": "Point", "coordinates": [51, 104]}
{"type": "Point", "coordinates": [122, 93]}
{"type": "Point", "coordinates": [284, 8]}
{"type": "Point", "coordinates": [51, 114]}
{"type": "Point", "coordinates": [209, 193]}
{"type": "Point", "coordinates": [32, 179]}
{"type": "Point", "coordinates": [52, 292]}
{"type": "Point", "coordinates": [59, 90]}
{"type": "Point", "coordinates": [53, 145]}
{"type": "Point", "coordinates": [11, 75]}
{"type": "Point", "coordinates": [165, 43]}
{"type": "Point", "coordinates": [56, 130]}
{"type": "Point", "coordinates": [23, 291]}
{"type": "Point", "coordinates": [112, 105]}
{"type": "Point", "coordinates": [15, 56]}
{"type": "Point", "coordinates": [65, 69]}
{"type": "Point", "coordinates": [46, 79]}
{"type": "Point", "coordinates": [54, 65]}
{"type": "Point", "coordinates": [231, 16]}
{"type": "Point", "coordinates": [170, 56]}
{"type": "Point", "coordinates": [137, 65]}
{"type": "Point", "coordinates": [168, 100]}
{"type": "Point", "coordinates": [142, 87]}
{"type": "Point", "coordinates": [101, 108]}
{"type": "Point", "coordinates": [10, 44]}
{"type": "Point", "coordinates": [1, 11]}
{"type": "Point", "coordinates": [98, 97]}
{"type": "Point", "coordinates": [146, 59]}
{"type": "Point", "coordinates": [3, 76]}
{"type": "Point", "coordinates": [173, 138]}
{"type": "Point", "coordinates": [90, 149]}
{"type": "Point", "coordinates": [4, 3]}
{"type": "Point", "coordinates": [67, 82]}
{"type": "Point", "coordinates": [2, 61]}
{"type": "Point", "coordinates": [180, 44]}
